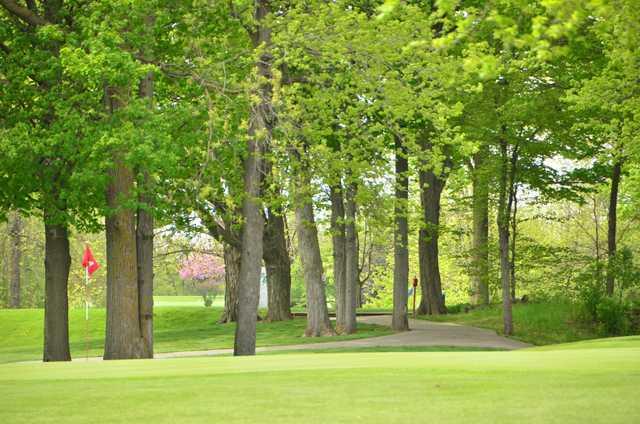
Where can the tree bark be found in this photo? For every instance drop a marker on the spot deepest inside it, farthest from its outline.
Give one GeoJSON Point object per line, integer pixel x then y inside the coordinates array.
{"type": "Point", "coordinates": [278, 266]}
{"type": "Point", "coordinates": [352, 286]}
{"type": "Point", "coordinates": [480, 251]}
{"type": "Point", "coordinates": [144, 245]}
{"type": "Point", "coordinates": [260, 127]}
{"type": "Point", "coordinates": [250, 254]}
{"type": "Point", "coordinates": [57, 262]}
{"type": "Point", "coordinates": [123, 338]}
{"type": "Point", "coordinates": [318, 323]}
{"type": "Point", "coordinates": [514, 235]}
{"type": "Point", "coordinates": [432, 301]}
{"type": "Point", "coordinates": [339, 253]}
{"type": "Point", "coordinates": [16, 227]}
{"type": "Point", "coordinates": [612, 225]}
{"type": "Point", "coordinates": [504, 278]}
{"type": "Point", "coordinates": [144, 240]}
{"type": "Point", "coordinates": [504, 208]}
{"type": "Point", "coordinates": [231, 277]}
{"type": "Point", "coordinates": [400, 321]}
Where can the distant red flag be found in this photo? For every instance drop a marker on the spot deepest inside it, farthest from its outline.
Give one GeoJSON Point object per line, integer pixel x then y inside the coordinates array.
{"type": "Point", "coordinates": [89, 262]}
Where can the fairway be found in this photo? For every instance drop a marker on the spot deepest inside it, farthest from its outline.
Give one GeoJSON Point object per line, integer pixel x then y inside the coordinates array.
{"type": "Point", "coordinates": [563, 386]}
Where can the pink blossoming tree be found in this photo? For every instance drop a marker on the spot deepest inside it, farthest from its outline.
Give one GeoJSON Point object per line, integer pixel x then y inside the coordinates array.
{"type": "Point", "coordinates": [206, 273]}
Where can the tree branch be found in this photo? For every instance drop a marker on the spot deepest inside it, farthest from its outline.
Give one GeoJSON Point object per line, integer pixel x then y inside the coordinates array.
{"type": "Point", "coordinates": [23, 13]}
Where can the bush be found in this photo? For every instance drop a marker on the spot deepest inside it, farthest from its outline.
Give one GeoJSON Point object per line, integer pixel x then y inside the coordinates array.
{"type": "Point", "coordinates": [615, 315]}
{"type": "Point", "coordinates": [633, 316]}
{"type": "Point", "coordinates": [590, 286]}
{"type": "Point", "coordinates": [459, 308]}
{"type": "Point", "coordinates": [612, 317]}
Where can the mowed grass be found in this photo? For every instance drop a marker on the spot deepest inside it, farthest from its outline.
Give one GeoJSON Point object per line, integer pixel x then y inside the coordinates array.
{"type": "Point", "coordinates": [195, 301]}
{"type": "Point", "coordinates": [579, 385]}
{"type": "Point", "coordinates": [535, 323]}
{"type": "Point", "coordinates": [176, 329]}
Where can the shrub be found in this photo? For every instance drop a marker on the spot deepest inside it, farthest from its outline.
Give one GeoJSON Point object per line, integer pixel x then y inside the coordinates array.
{"type": "Point", "coordinates": [633, 316]}
{"type": "Point", "coordinates": [208, 300]}
{"type": "Point", "coordinates": [590, 286]}
{"type": "Point", "coordinates": [459, 308]}
{"type": "Point", "coordinates": [612, 318]}
{"type": "Point", "coordinates": [614, 315]}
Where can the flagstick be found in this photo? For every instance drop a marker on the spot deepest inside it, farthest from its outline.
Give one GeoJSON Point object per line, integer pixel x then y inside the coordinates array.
{"type": "Point", "coordinates": [86, 293]}
{"type": "Point", "coordinates": [86, 311]}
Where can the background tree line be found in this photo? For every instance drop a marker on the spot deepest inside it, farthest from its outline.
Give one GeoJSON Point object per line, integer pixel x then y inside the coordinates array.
{"type": "Point", "coordinates": [348, 144]}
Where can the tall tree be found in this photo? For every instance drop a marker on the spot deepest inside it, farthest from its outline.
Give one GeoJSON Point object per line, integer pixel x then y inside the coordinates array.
{"type": "Point", "coordinates": [318, 323]}
{"type": "Point", "coordinates": [400, 320]}
{"type": "Point", "coordinates": [612, 224]}
{"type": "Point", "coordinates": [480, 237]}
{"type": "Point", "coordinates": [352, 282]}
{"type": "Point", "coordinates": [39, 94]}
{"type": "Point", "coordinates": [260, 127]}
{"type": "Point", "coordinates": [145, 222]}
{"type": "Point", "coordinates": [431, 187]}
{"type": "Point", "coordinates": [507, 169]}
{"type": "Point", "coordinates": [338, 252]}
{"type": "Point", "coordinates": [123, 336]}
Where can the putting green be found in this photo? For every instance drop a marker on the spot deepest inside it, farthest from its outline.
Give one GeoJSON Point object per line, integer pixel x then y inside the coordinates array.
{"type": "Point", "coordinates": [563, 386]}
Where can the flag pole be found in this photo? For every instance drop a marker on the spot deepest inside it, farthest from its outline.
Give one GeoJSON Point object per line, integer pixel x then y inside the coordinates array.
{"type": "Point", "coordinates": [86, 311]}
{"type": "Point", "coordinates": [86, 293]}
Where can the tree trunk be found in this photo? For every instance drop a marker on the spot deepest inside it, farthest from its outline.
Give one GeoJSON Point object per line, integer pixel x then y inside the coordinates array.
{"type": "Point", "coordinates": [432, 301]}
{"type": "Point", "coordinates": [612, 224]}
{"type": "Point", "coordinates": [480, 251]}
{"type": "Point", "coordinates": [514, 235]}
{"type": "Point", "coordinates": [318, 323]}
{"type": "Point", "coordinates": [4, 258]}
{"type": "Point", "coordinates": [231, 277]}
{"type": "Point", "coordinates": [123, 338]}
{"type": "Point", "coordinates": [144, 245]}
{"type": "Point", "coordinates": [260, 128]}
{"type": "Point", "coordinates": [15, 230]}
{"type": "Point", "coordinates": [504, 278]}
{"type": "Point", "coordinates": [352, 285]}
{"type": "Point", "coordinates": [250, 254]}
{"type": "Point", "coordinates": [504, 209]}
{"type": "Point", "coordinates": [424, 306]}
{"type": "Point", "coordinates": [145, 226]}
{"type": "Point", "coordinates": [57, 262]}
{"type": "Point", "coordinates": [278, 265]}
{"type": "Point", "coordinates": [400, 321]}
{"type": "Point", "coordinates": [339, 253]}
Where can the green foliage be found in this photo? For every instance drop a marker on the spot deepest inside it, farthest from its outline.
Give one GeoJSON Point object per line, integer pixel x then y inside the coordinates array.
{"type": "Point", "coordinates": [613, 315]}
{"type": "Point", "coordinates": [542, 323]}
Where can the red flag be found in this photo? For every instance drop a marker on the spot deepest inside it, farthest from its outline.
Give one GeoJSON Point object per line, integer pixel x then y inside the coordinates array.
{"type": "Point", "coordinates": [89, 262]}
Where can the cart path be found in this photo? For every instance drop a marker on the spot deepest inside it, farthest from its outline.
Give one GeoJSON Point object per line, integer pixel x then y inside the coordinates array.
{"type": "Point", "coordinates": [423, 333]}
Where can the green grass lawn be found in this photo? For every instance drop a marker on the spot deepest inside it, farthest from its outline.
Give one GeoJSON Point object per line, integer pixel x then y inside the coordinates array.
{"type": "Point", "coordinates": [196, 301]}
{"type": "Point", "coordinates": [176, 329]}
{"type": "Point", "coordinates": [578, 385]}
{"type": "Point", "coordinates": [535, 323]}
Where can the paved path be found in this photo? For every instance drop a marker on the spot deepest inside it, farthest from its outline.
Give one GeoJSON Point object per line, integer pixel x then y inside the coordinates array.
{"type": "Point", "coordinates": [423, 333]}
